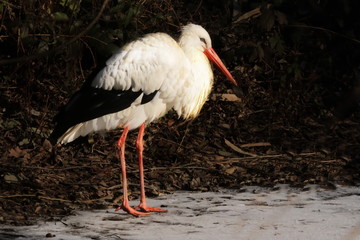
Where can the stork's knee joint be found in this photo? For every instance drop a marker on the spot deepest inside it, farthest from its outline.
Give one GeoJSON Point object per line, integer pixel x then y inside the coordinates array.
{"type": "Point", "coordinates": [139, 145]}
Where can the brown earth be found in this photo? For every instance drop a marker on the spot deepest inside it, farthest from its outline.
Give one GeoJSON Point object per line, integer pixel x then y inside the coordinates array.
{"type": "Point", "coordinates": [223, 148]}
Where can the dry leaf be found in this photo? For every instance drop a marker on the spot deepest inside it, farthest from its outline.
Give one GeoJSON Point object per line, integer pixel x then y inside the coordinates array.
{"type": "Point", "coordinates": [18, 153]}
{"type": "Point", "coordinates": [231, 170]}
{"type": "Point", "coordinates": [228, 97]}
{"type": "Point", "coordinates": [9, 178]}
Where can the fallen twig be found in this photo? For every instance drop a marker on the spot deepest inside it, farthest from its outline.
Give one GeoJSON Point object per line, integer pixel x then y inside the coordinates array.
{"type": "Point", "coordinates": [237, 149]}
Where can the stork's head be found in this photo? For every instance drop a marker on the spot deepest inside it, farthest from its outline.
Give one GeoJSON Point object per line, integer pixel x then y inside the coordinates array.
{"type": "Point", "coordinates": [197, 37]}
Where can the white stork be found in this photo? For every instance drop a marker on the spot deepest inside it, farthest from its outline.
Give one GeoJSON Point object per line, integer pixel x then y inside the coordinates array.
{"type": "Point", "coordinates": [139, 84]}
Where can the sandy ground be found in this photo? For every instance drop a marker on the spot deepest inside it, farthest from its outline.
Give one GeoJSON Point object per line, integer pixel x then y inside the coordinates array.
{"type": "Point", "coordinates": [252, 213]}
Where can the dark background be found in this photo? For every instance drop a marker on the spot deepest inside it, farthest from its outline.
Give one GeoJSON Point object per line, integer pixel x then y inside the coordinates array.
{"type": "Point", "coordinates": [297, 121]}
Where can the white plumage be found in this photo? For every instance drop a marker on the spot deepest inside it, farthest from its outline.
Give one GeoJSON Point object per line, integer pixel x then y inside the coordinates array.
{"type": "Point", "coordinates": [179, 71]}
{"type": "Point", "coordinates": [157, 74]}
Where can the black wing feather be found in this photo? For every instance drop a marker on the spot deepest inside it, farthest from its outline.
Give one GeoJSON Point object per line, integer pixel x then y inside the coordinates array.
{"type": "Point", "coordinates": [90, 103]}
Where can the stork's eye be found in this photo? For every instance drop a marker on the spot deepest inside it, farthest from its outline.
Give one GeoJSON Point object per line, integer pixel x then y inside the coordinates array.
{"type": "Point", "coordinates": [203, 40]}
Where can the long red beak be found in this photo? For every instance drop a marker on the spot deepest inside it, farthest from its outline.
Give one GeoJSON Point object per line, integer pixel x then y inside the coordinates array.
{"type": "Point", "coordinates": [211, 54]}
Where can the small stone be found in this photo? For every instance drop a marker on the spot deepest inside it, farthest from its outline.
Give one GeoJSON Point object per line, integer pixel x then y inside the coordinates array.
{"type": "Point", "coordinates": [50, 235]}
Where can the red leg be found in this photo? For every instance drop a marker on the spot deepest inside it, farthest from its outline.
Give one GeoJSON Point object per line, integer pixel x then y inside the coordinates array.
{"type": "Point", "coordinates": [140, 147]}
{"type": "Point", "coordinates": [125, 204]}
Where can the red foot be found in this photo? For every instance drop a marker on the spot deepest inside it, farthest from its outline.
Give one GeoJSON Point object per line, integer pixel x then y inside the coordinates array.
{"type": "Point", "coordinates": [131, 210]}
{"type": "Point", "coordinates": [146, 208]}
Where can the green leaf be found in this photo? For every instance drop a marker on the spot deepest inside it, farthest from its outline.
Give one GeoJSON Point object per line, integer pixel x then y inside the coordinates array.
{"type": "Point", "coordinates": [129, 16]}
{"type": "Point", "coordinates": [25, 141]}
{"type": "Point", "coordinates": [73, 5]}
{"type": "Point", "coordinates": [273, 41]}
{"type": "Point", "coordinates": [60, 17]}
{"type": "Point", "coordinates": [260, 52]}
